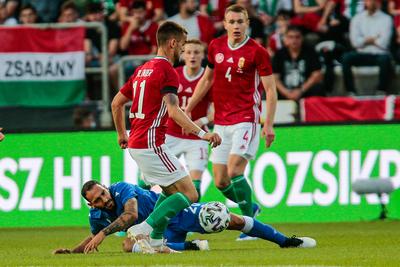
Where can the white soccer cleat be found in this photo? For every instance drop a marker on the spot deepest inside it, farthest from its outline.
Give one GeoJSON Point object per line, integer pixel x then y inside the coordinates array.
{"type": "Point", "coordinates": [138, 229]}
{"type": "Point", "coordinates": [308, 242]}
{"type": "Point", "coordinates": [201, 244]}
{"type": "Point", "coordinates": [142, 245]}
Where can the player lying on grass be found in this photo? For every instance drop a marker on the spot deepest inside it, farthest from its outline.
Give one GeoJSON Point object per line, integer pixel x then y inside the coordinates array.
{"type": "Point", "coordinates": [122, 205]}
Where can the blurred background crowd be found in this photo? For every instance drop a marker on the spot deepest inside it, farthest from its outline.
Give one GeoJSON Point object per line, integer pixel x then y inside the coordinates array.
{"type": "Point", "coordinates": [311, 42]}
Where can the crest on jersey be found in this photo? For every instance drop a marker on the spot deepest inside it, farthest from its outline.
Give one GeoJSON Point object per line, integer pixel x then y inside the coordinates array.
{"type": "Point", "coordinates": [219, 57]}
{"type": "Point", "coordinates": [240, 65]}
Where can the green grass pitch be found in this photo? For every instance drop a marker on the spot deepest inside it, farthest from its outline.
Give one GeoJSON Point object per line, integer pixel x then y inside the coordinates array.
{"type": "Point", "coordinates": [339, 244]}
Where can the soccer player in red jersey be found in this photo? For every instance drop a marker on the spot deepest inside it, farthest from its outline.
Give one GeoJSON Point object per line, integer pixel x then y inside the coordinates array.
{"type": "Point", "coordinates": [153, 91]}
{"type": "Point", "coordinates": [237, 65]}
{"type": "Point", "coordinates": [193, 148]}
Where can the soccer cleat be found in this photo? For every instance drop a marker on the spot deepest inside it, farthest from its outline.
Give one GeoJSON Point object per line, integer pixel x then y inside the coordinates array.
{"type": "Point", "coordinates": [243, 236]}
{"type": "Point", "coordinates": [299, 242]}
{"type": "Point", "coordinates": [201, 244]}
{"type": "Point", "coordinates": [138, 229]}
{"type": "Point", "coordinates": [142, 245]}
{"type": "Point", "coordinates": [165, 250]}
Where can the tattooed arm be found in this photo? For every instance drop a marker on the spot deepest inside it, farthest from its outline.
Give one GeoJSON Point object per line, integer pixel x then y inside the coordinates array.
{"type": "Point", "coordinates": [125, 220]}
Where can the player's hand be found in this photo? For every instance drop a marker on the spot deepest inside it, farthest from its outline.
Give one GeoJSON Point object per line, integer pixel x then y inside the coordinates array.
{"type": "Point", "coordinates": [123, 141]}
{"type": "Point", "coordinates": [94, 243]}
{"type": "Point", "coordinates": [212, 138]}
{"type": "Point", "coordinates": [62, 251]}
{"type": "Point", "coordinates": [269, 134]}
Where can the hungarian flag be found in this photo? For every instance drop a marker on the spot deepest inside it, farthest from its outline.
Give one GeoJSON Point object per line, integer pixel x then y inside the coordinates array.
{"type": "Point", "coordinates": [41, 67]}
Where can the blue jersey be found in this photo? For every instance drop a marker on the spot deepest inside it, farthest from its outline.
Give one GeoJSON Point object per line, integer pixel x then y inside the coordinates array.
{"type": "Point", "coordinates": [185, 221]}
{"type": "Point", "coordinates": [121, 193]}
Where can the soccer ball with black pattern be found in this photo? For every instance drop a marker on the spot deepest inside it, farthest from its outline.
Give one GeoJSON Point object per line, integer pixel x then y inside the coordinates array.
{"type": "Point", "coordinates": [214, 217]}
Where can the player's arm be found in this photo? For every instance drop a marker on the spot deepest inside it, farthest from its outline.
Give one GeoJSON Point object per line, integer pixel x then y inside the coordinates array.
{"type": "Point", "coordinates": [124, 221]}
{"type": "Point", "coordinates": [202, 87]}
{"type": "Point", "coordinates": [206, 119]}
{"type": "Point", "coordinates": [78, 249]}
{"type": "Point", "coordinates": [118, 113]}
{"type": "Point", "coordinates": [175, 112]}
{"type": "Point", "coordinates": [270, 90]}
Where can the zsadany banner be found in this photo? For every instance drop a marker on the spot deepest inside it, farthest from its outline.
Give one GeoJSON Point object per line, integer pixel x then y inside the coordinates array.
{"type": "Point", "coordinates": [41, 67]}
{"type": "Point", "coordinates": [306, 175]}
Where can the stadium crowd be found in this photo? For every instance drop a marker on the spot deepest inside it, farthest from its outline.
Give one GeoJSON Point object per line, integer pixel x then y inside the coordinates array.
{"type": "Point", "coordinates": [305, 38]}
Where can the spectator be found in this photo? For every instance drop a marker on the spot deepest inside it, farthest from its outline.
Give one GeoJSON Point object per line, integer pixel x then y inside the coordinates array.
{"type": "Point", "coordinates": [84, 118]}
{"type": "Point", "coordinates": [154, 9]}
{"type": "Point", "coordinates": [28, 14]}
{"type": "Point", "coordinates": [276, 40]}
{"type": "Point", "coordinates": [47, 10]}
{"type": "Point", "coordinates": [95, 13]}
{"type": "Point", "coordinates": [370, 34]}
{"type": "Point", "coordinates": [256, 26]}
{"type": "Point", "coordinates": [216, 11]}
{"type": "Point", "coordinates": [12, 8]}
{"type": "Point", "coordinates": [68, 13]}
{"type": "Point", "coordinates": [197, 25]}
{"type": "Point", "coordinates": [268, 10]}
{"type": "Point", "coordinates": [4, 19]}
{"type": "Point", "coordinates": [394, 10]}
{"type": "Point", "coordinates": [308, 13]}
{"type": "Point", "coordinates": [1, 135]}
{"type": "Point", "coordinates": [139, 33]}
{"type": "Point", "coordinates": [297, 69]}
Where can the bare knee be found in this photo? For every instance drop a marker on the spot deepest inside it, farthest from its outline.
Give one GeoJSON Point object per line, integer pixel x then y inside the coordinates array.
{"type": "Point", "coordinates": [221, 184]}
{"type": "Point", "coordinates": [193, 196]}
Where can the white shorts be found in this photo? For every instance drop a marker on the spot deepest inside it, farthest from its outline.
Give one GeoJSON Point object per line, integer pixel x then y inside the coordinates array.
{"type": "Point", "coordinates": [239, 139]}
{"type": "Point", "coordinates": [158, 166]}
{"type": "Point", "coordinates": [195, 151]}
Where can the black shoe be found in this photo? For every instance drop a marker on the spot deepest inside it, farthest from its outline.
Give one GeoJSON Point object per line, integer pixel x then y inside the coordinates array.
{"type": "Point", "coordinates": [299, 242]}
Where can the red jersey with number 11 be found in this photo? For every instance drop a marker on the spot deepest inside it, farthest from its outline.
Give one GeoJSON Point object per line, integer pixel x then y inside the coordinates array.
{"type": "Point", "coordinates": [236, 85]}
{"type": "Point", "coordinates": [148, 114]}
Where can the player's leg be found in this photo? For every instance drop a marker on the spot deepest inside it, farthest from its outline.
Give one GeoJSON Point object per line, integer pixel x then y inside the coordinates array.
{"type": "Point", "coordinates": [196, 154]}
{"type": "Point", "coordinates": [160, 167]}
{"type": "Point", "coordinates": [219, 158]}
{"type": "Point", "coordinates": [245, 140]}
{"type": "Point", "coordinates": [255, 228]}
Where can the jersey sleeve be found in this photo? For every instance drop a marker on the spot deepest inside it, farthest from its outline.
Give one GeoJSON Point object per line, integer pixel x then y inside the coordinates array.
{"type": "Point", "coordinates": [126, 191]}
{"type": "Point", "coordinates": [171, 81]}
{"type": "Point", "coordinates": [263, 62]}
{"type": "Point", "coordinates": [210, 55]}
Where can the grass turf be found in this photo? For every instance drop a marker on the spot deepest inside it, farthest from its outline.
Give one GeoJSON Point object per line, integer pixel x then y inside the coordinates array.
{"type": "Point", "coordinates": [339, 244]}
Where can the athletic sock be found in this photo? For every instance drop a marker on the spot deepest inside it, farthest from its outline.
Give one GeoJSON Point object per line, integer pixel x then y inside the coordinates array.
{"type": "Point", "coordinates": [167, 209]}
{"type": "Point", "coordinates": [229, 193]}
{"type": "Point", "coordinates": [243, 195]}
{"type": "Point", "coordinates": [161, 198]}
{"type": "Point", "coordinates": [197, 185]}
{"type": "Point", "coordinates": [258, 229]}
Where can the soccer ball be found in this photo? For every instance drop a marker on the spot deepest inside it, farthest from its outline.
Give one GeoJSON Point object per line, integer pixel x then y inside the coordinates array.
{"type": "Point", "coordinates": [214, 217]}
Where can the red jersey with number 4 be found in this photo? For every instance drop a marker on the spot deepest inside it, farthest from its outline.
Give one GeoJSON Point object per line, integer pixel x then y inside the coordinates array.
{"type": "Point", "coordinates": [148, 114]}
{"type": "Point", "coordinates": [236, 86]}
{"type": "Point", "coordinates": [186, 88]}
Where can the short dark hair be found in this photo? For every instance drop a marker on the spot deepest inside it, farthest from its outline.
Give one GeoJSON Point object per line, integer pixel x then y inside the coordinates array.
{"type": "Point", "coordinates": [168, 30]}
{"type": "Point", "coordinates": [237, 9]}
{"type": "Point", "coordinates": [94, 7]}
{"type": "Point", "coordinates": [28, 6]}
{"type": "Point", "coordinates": [138, 4]}
{"type": "Point", "coordinates": [69, 5]}
{"type": "Point", "coordinates": [294, 28]}
{"type": "Point", "coordinates": [87, 187]}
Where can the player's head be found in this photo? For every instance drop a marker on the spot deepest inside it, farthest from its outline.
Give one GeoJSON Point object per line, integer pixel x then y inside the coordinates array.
{"type": "Point", "coordinates": [193, 53]}
{"type": "Point", "coordinates": [95, 12]}
{"type": "Point", "coordinates": [97, 195]}
{"type": "Point", "coordinates": [171, 37]}
{"type": "Point", "coordinates": [293, 37]}
{"type": "Point", "coordinates": [138, 10]}
{"type": "Point", "coordinates": [236, 22]}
